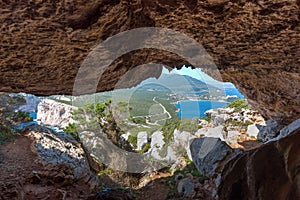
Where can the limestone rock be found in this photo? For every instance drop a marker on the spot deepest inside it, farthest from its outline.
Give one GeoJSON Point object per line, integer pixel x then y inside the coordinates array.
{"type": "Point", "coordinates": [157, 140]}
{"type": "Point", "coordinates": [31, 103]}
{"type": "Point", "coordinates": [252, 130]}
{"type": "Point", "coordinates": [218, 116]}
{"type": "Point", "coordinates": [54, 113]}
{"type": "Point", "coordinates": [216, 132]}
{"type": "Point", "coordinates": [270, 131]}
{"type": "Point", "coordinates": [182, 137]}
{"type": "Point", "coordinates": [210, 155]}
{"type": "Point", "coordinates": [201, 132]}
{"type": "Point", "coordinates": [157, 143]}
{"type": "Point", "coordinates": [231, 135]}
{"type": "Point", "coordinates": [126, 135]}
{"type": "Point", "coordinates": [287, 130]}
{"type": "Point", "coordinates": [172, 154]}
{"type": "Point", "coordinates": [61, 151]}
{"type": "Point", "coordinates": [142, 139]}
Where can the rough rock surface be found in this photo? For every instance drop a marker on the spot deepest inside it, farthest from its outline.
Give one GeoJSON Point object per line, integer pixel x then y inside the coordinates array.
{"type": "Point", "coordinates": [56, 150]}
{"type": "Point", "coordinates": [270, 131]}
{"type": "Point", "coordinates": [269, 172]}
{"type": "Point", "coordinates": [254, 44]}
{"type": "Point", "coordinates": [22, 177]}
{"type": "Point", "coordinates": [186, 187]}
{"type": "Point", "coordinates": [287, 130]}
{"type": "Point", "coordinates": [210, 155]}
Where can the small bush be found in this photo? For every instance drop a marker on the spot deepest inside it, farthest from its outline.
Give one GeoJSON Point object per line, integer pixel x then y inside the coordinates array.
{"type": "Point", "coordinates": [232, 122]}
{"type": "Point", "coordinates": [6, 134]}
{"type": "Point", "coordinates": [139, 120]}
{"type": "Point", "coordinates": [133, 140]}
{"type": "Point", "coordinates": [145, 148]}
{"type": "Point", "coordinates": [259, 141]}
{"type": "Point", "coordinates": [72, 130]}
{"type": "Point", "coordinates": [19, 116]}
{"type": "Point", "coordinates": [169, 128]}
{"type": "Point", "coordinates": [239, 104]}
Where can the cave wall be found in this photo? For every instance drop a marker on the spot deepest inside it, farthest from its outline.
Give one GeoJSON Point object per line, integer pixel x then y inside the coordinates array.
{"type": "Point", "coordinates": [255, 44]}
{"type": "Point", "coordinates": [269, 172]}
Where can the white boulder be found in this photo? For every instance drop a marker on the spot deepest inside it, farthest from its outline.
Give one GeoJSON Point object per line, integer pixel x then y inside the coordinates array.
{"type": "Point", "coordinates": [252, 130]}
{"type": "Point", "coordinates": [142, 139]}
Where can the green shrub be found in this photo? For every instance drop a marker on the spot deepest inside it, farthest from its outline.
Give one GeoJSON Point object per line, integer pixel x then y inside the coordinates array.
{"type": "Point", "coordinates": [19, 116]}
{"type": "Point", "coordinates": [239, 104]}
{"type": "Point", "coordinates": [72, 130]}
{"type": "Point", "coordinates": [133, 140]}
{"type": "Point", "coordinates": [139, 120]}
{"type": "Point", "coordinates": [169, 128]}
{"type": "Point", "coordinates": [232, 122]}
{"type": "Point", "coordinates": [259, 140]}
{"type": "Point", "coordinates": [145, 148]}
{"type": "Point", "coordinates": [191, 168]}
{"type": "Point", "coordinates": [6, 134]}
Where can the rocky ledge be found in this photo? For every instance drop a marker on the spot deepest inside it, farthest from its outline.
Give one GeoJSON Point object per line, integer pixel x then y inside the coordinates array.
{"type": "Point", "coordinates": [63, 155]}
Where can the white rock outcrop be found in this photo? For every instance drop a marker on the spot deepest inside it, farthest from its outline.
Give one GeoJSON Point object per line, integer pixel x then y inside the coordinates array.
{"type": "Point", "coordinates": [216, 132]}
{"type": "Point", "coordinates": [252, 130]}
{"type": "Point", "coordinates": [142, 140]}
{"type": "Point", "coordinates": [54, 113]}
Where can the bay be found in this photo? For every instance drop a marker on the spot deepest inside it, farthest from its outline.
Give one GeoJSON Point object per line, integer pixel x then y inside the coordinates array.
{"type": "Point", "coordinates": [192, 109]}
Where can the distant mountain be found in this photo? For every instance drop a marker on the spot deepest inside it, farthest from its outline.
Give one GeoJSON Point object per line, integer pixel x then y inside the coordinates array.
{"type": "Point", "coordinates": [176, 82]}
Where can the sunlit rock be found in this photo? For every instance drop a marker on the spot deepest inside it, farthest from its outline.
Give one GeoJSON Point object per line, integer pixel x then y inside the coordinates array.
{"type": "Point", "coordinates": [252, 130]}
{"type": "Point", "coordinates": [54, 113]}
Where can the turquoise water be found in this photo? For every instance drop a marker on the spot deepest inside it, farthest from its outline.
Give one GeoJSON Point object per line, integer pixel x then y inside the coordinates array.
{"type": "Point", "coordinates": [23, 125]}
{"type": "Point", "coordinates": [192, 109]}
{"type": "Point", "coordinates": [34, 121]}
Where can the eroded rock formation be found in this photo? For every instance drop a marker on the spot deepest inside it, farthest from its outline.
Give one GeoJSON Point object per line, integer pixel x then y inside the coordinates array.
{"type": "Point", "coordinates": [269, 172]}
{"type": "Point", "coordinates": [255, 44]}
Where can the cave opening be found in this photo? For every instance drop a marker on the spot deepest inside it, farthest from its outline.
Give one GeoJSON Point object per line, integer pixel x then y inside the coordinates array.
{"type": "Point", "coordinates": [156, 118]}
{"type": "Point", "coordinates": [161, 119]}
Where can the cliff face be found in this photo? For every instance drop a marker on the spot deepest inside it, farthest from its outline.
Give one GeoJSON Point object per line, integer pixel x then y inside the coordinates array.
{"type": "Point", "coordinates": [53, 113]}
{"type": "Point", "coordinates": [255, 44]}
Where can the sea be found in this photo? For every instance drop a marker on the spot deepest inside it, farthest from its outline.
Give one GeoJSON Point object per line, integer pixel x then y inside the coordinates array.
{"type": "Point", "coordinates": [197, 108]}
